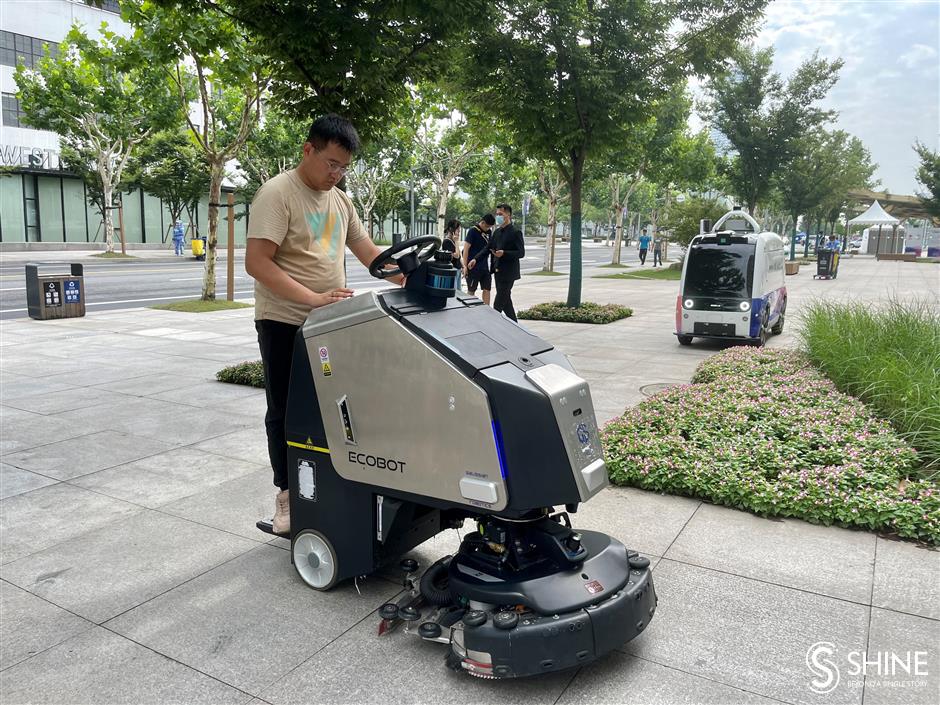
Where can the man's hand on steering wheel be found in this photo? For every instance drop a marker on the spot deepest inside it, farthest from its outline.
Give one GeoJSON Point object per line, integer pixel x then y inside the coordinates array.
{"type": "Point", "coordinates": [416, 251]}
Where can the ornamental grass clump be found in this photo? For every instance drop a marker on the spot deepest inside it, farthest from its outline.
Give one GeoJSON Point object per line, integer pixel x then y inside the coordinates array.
{"type": "Point", "coordinates": [888, 357]}
{"type": "Point", "coordinates": [765, 431]}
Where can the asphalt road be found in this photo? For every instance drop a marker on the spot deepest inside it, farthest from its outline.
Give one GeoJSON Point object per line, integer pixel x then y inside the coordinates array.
{"type": "Point", "coordinates": [148, 281]}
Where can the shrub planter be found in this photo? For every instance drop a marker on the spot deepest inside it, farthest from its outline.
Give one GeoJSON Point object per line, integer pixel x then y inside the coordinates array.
{"type": "Point", "coordinates": [765, 431]}
{"type": "Point", "coordinates": [587, 312]}
{"type": "Point", "coordinates": [248, 373]}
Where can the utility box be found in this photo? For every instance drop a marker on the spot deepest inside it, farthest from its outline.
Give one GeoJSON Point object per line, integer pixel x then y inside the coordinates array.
{"type": "Point", "coordinates": [55, 295]}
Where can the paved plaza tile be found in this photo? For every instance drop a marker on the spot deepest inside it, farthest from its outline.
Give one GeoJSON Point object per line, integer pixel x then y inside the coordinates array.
{"type": "Point", "coordinates": [131, 570]}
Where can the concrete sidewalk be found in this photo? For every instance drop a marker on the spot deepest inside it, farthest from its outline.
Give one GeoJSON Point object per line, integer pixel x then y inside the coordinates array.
{"type": "Point", "coordinates": [131, 571]}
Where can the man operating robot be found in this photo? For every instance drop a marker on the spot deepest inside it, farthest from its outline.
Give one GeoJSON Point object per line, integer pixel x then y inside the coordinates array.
{"type": "Point", "coordinates": [300, 227]}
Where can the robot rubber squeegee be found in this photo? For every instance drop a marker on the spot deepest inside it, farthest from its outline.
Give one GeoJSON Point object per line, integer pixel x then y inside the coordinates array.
{"type": "Point", "coordinates": [413, 409]}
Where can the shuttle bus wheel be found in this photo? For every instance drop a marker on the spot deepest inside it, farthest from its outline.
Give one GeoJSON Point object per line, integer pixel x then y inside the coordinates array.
{"type": "Point", "coordinates": [778, 326]}
{"type": "Point", "coordinates": [762, 336]}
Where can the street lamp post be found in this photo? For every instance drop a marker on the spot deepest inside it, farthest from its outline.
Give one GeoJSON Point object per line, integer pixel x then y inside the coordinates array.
{"type": "Point", "coordinates": [525, 211]}
{"type": "Point", "coordinates": [411, 196]}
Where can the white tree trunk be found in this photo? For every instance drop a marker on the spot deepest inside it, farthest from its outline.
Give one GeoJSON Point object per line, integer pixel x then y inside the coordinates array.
{"type": "Point", "coordinates": [215, 194]}
{"type": "Point", "coordinates": [549, 262]}
{"type": "Point", "coordinates": [618, 239]}
{"type": "Point", "coordinates": [441, 210]}
{"type": "Point", "coordinates": [108, 197]}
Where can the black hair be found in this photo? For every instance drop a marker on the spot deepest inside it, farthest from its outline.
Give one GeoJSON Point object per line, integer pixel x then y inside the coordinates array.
{"type": "Point", "coordinates": [506, 207]}
{"type": "Point", "coordinates": [488, 219]}
{"type": "Point", "coordinates": [333, 128]}
{"type": "Point", "coordinates": [452, 225]}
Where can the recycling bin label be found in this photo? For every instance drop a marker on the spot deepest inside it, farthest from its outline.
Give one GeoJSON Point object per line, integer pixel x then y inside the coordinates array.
{"type": "Point", "coordinates": [73, 292]}
{"type": "Point", "coordinates": [52, 293]}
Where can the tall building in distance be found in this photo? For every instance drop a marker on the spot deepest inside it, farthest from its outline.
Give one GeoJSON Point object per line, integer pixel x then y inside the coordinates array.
{"type": "Point", "coordinates": [28, 28]}
{"type": "Point", "coordinates": [40, 201]}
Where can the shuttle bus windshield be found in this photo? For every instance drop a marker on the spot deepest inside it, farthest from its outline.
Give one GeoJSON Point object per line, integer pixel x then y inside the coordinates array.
{"type": "Point", "coordinates": [720, 271]}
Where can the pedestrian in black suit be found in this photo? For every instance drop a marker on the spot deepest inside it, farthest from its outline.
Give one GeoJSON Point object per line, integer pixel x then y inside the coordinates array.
{"type": "Point", "coordinates": [508, 247]}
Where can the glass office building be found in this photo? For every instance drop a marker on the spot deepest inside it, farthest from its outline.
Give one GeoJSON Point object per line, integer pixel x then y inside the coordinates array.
{"type": "Point", "coordinates": [39, 202]}
{"type": "Point", "coordinates": [51, 207]}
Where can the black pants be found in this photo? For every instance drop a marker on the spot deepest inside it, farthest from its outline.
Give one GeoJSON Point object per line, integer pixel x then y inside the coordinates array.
{"type": "Point", "coordinates": [642, 256]}
{"type": "Point", "coordinates": [657, 258]}
{"type": "Point", "coordinates": [503, 300]}
{"type": "Point", "coordinates": [276, 341]}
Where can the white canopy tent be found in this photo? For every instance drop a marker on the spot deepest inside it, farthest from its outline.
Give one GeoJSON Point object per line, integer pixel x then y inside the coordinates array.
{"type": "Point", "coordinates": [876, 215]}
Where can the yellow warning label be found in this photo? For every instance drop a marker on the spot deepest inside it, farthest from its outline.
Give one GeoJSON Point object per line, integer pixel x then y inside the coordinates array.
{"type": "Point", "coordinates": [327, 370]}
{"type": "Point", "coordinates": [308, 446]}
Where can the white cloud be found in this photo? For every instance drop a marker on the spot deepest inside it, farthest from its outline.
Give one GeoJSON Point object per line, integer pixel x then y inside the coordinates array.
{"type": "Point", "coordinates": [917, 55]}
{"type": "Point", "coordinates": [887, 94]}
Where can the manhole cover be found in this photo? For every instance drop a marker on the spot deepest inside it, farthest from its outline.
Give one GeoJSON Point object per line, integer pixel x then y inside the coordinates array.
{"type": "Point", "coordinates": [651, 389]}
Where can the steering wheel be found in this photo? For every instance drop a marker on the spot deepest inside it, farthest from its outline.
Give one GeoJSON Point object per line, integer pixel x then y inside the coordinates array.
{"type": "Point", "coordinates": [417, 251]}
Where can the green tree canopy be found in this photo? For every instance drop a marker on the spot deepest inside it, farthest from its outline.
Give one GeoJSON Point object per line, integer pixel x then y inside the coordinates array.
{"type": "Point", "coordinates": [824, 166]}
{"type": "Point", "coordinates": [851, 168]}
{"type": "Point", "coordinates": [103, 98]}
{"type": "Point", "coordinates": [569, 78]}
{"type": "Point", "coordinates": [356, 59]}
{"type": "Point", "coordinates": [376, 178]}
{"type": "Point", "coordinates": [763, 118]}
{"type": "Point", "coordinates": [213, 62]}
{"type": "Point", "coordinates": [272, 147]}
{"type": "Point", "coordinates": [683, 218]}
{"type": "Point", "coordinates": [170, 167]}
{"type": "Point", "coordinates": [928, 175]}
{"type": "Point", "coordinates": [662, 151]}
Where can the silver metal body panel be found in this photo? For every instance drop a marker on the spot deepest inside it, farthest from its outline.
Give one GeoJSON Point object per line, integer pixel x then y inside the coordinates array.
{"type": "Point", "coordinates": [342, 314]}
{"type": "Point", "coordinates": [390, 405]}
{"type": "Point", "coordinates": [574, 411]}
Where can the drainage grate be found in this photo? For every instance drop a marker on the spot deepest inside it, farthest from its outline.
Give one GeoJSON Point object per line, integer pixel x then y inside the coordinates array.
{"type": "Point", "coordinates": [651, 389]}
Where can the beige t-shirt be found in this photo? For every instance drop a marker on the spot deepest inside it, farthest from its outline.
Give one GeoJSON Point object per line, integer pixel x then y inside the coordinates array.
{"type": "Point", "coordinates": [311, 229]}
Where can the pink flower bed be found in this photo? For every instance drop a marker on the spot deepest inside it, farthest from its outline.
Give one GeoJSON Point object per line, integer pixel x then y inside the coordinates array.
{"type": "Point", "coordinates": [766, 431]}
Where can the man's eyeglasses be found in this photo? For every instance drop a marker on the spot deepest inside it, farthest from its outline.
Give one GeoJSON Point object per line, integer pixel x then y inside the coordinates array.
{"type": "Point", "coordinates": [334, 166]}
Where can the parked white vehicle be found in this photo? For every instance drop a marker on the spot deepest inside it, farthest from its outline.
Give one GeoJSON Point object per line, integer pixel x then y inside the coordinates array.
{"type": "Point", "coordinates": [732, 285]}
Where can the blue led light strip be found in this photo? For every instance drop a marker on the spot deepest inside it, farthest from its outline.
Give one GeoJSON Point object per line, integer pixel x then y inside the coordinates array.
{"type": "Point", "coordinates": [500, 455]}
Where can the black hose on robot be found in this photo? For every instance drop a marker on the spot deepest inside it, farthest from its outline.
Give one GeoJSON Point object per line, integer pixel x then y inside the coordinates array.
{"type": "Point", "coordinates": [434, 585]}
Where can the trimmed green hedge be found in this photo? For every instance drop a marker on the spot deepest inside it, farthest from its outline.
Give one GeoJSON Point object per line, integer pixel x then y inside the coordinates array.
{"type": "Point", "coordinates": [247, 373]}
{"type": "Point", "coordinates": [666, 273]}
{"type": "Point", "coordinates": [765, 431]}
{"type": "Point", "coordinates": [587, 312]}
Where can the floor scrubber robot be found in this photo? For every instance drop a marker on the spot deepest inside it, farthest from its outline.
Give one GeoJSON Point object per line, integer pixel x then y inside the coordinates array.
{"type": "Point", "coordinates": [414, 409]}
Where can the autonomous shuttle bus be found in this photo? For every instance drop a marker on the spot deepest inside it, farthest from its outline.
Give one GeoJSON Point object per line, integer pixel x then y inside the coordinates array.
{"type": "Point", "coordinates": [732, 285]}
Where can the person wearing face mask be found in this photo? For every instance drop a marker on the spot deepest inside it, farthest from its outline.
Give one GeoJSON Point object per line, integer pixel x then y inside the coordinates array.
{"type": "Point", "coordinates": [508, 248]}
{"type": "Point", "coordinates": [476, 257]}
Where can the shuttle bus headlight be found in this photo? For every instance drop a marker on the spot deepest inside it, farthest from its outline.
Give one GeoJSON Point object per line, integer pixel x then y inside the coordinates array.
{"type": "Point", "coordinates": [688, 303]}
{"type": "Point", "coordinates": [745, 306]}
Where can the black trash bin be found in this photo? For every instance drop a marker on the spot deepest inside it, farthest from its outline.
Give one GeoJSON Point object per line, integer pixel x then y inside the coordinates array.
{"type": "Point", "coordinates": [55, 295]}
{"type": "Point", "coordinates": [827, 264]}
{"type": "Point", "coordinates": [396, 238]}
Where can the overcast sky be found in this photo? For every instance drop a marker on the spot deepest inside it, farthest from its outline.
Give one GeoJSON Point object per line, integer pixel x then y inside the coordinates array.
{"type": "Point", "coordinates": [889, 89]}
